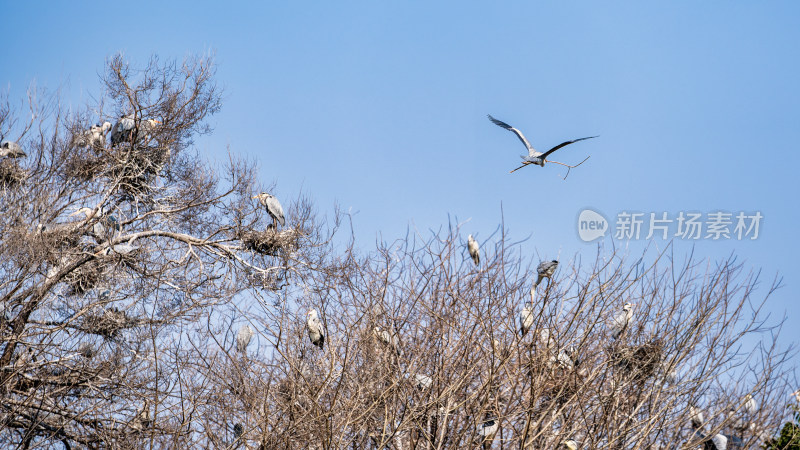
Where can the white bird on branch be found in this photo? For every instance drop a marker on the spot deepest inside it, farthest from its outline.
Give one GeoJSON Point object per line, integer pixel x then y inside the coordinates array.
{"type": "Point", "coordinates": [243, 338]}
{"type": "Point", "coordinates": [126, 128]}
{"type": "Point", "coordinates": [474, 249]}
{"type": "Point", "coordinates": [10, 149]}
{"type": "Point", "coordinates": [273, 206]}
{"type": "Point", "coordinates": [750, 405]}
{"type": "Point", "coordinates": [525, 319]}
{"type": "Point", "coordinates": [695, 417]}
{"type": "Point", "coordinates": [534, 157]}
{"type": "Point", "coordinates": [620, 322]}
{"type": "Point", "coordinates": [388, 339]}
{"type": "Point", "coordinates": [315, 331]}
{"type": "Point", "coordinates": [546, 269]}
{"type": "Point", "coordinates": [94, 137]}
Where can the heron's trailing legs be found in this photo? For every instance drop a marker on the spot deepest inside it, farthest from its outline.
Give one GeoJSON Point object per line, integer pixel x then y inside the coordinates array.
{"type": "Point", "coordinates": [555, 162]}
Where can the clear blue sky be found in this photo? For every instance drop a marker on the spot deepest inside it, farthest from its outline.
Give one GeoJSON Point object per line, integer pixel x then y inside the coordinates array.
{"type": "Point", "coordinates": [381, 107]}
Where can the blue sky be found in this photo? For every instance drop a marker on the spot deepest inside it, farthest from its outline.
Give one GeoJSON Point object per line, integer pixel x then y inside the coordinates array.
{"type": "Point", "coordinates": [381, 107]}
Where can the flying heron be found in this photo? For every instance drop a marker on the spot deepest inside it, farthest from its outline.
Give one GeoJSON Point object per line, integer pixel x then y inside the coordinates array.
{"type": "Point", "coordinates": [534, 157]}
{"type": "Point", "coordinates": [315, 331]}
{"type": "Point", "coordinates": [474, 249]}
{"type": "Point", "coordinates": [273, 206]}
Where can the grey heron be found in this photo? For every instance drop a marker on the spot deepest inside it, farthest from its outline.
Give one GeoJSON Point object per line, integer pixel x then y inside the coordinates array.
{"type": "Point", "coordinates": [388, 339]}
{"type": "Point", "coordinates": [570, 444]}
{"type": "Point", "coordinates": [315, 331]}
{"type": "Point", "coordinates": [545, 270]}
{"type": "Point", "coordinates": [422, 382]}
{"type": "Point", "coordinates": [525, 319]}
{"type": "Point", "coordinates": [106, 223]}
{"type": "Point", "coordinates": [10, 149]}
{"type": "Point", "coordinates": [94, 137]}
{"type": "Point", "coordinates": [695, 417]}
{"type": "Point", "coordinates": [273, 206]}
{"type": "Point", "coordinates": [620, 322]}
{"type": "Point", "coordinates": [750, 405]}
{"type": "Point", "coordinates": [126, 127]}
{"type": "Point", "coordinates": [488, 428]}
{"type": "Point", "coordinates": [535, 157]}
{"type": "Point", "coordinates": [243, 338]}
{"type": "Point", "coordinates": [474, 249]}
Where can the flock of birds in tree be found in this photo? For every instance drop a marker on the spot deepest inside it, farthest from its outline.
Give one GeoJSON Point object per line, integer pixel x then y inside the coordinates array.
{"type": "Point", "coordinates": [125, 130]}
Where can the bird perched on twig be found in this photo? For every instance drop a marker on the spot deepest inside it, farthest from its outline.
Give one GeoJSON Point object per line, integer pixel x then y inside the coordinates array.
{"type": "Point", "coordinates": [695, 417]}
{"type": "Point", "coordinates": [474, 249]}
{"type": "Point", "coordinates": [620, 322]}
{"type": "Point", "coordinates": [273, 206]}
{"type": "Point", "coordinates": [315, 331]}
{"type": "Point", "coordinates": [525, 319]}
{"type": "Point", "coordinates": [545, 270]}
{"type": "Point", "coordinates": [10, 149]}
{"type": "Point", "coordinates": [94, 137]}
{"type": "Point", "coordinates": [534, 157]}
{"type": "Point", "coordinates": [243, 338]}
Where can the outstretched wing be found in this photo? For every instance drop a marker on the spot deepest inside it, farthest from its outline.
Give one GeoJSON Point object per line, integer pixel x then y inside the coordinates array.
{"type": "Point", "coordinates": [564, 144]}
{"type": "Point", "coordinates": [519, 134]}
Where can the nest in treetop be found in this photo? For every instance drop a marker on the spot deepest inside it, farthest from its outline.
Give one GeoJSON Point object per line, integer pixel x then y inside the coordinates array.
{"type": "Point", "coordinates": [136, 167]}
{"type": "Point", "coordinates": [84, 278]}
{"type": "Point", "coordinates": [106, 323]}
{"type": "Point", "coordinates": [640, 361]}
{"type": "Point", "coordinates": [11, 174]}
{"type": "Point", "coordinates": [84, 166]}
{"type": "Point", "coordinates": [270, 242]}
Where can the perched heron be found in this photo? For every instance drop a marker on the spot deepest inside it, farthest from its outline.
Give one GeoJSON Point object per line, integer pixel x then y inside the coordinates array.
{"type": "Point", "coordinates": [719, 442]}
{"type": "Point", "coordinates": [315, 331]}
{"type": "Point", "coordinates": [695, 417]}
{"type": "Point", "coordinates": [474, 249]}
{"type": "Point", "coordinates": [545, 270]}
{"type": "Point", "coordinates": [273, 206]}
{"type": "Point", "coordinates": [243, 338]}
{"type": "Point", "coordinates": [525, 319]}
{"type": "Point", "coordinates": [105, 225]}
{"type": "Point", "coordinates": [750, 405]}
{"type": "Point", "coordinates": [422, 382]}
{"type": "Point", "coordinates": [534, 157]}
{"type": "Point", "coordinates": [570, 444]}
{"type": "Point", "coordinates": [125, 128]}
{"type": "Point", "coordinates": [488, 428]}
{"type": "Point", "coordinates": [620, 323]}
{"type": "Point", "coordinates": [10, 149]}
{"type": "Point", "coordinates": [388, 339]}
{"type": "Point", "coordinates": [94, 137]}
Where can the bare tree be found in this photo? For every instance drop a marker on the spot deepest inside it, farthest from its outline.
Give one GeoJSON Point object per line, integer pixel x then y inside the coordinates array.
{"type": "Point", "coordinates": [127, 269]}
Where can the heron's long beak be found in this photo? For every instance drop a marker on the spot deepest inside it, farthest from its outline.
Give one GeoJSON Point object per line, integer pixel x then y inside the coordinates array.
{"type": "Point", "coordinates": [255, 196]}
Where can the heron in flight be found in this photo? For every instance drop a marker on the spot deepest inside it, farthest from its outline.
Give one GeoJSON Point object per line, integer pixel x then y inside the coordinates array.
{"type": "Point", "coordinates": [10, 149]}
{"type": "Point", "coordinates": [474, 249]}
{"type": "Point", "coordinates": [535, 157]}
{"type": "Point", "coordinates": [273, 206]}
{"type": "Point", "coordinates": [315, 331]}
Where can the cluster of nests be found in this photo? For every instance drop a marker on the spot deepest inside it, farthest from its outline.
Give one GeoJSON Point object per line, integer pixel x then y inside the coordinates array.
{"type": "Point", "coordinates": [270, 242]}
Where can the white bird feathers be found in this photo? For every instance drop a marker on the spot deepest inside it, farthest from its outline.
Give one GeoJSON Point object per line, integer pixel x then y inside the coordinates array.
{"type": "Point", "coordinates": [125, 129]}
{"type": "Point", "coordinates": [525, 319]}
{"type": "Point", "coordinates": [534, 157]}
{"type": "Point", "coordinates": [695, 417]}
{"type": "Point", "coordinates": [315, 331]}
{"type": "Point", "coordinates": [474, 249]}
{"type": "Point", "coordinates": [620, 322]}
{"type": "Point", "coordinates": [10, 149]}
{"type": "Point", "coordinates": [750, 405]}
{"type": "Point", "coordinates": [273, 206]}
{"type": "Point", "coordinates": [545, 270]}
{"type": "Point", "coordinates": [94, 137]}
{"type": "Point", "coordinates": [243, 338]}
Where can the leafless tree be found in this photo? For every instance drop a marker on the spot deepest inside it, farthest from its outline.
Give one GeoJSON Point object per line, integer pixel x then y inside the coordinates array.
{"type": "Point", "coordinates": [119, 321]}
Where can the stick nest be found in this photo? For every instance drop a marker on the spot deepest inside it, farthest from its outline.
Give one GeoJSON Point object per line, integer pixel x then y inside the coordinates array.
{"type": "Point", "coordinates": [271, 242]}
{"type": "Point", "coordinates": [640, 361]}
{"type": "Point", "coordinates": [11, 174]}
{"type": "Point", "coordinates": [106, 324]}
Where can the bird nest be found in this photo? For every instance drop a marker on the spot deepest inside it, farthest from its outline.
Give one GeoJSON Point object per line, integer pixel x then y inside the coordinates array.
{"type": "Point", "coordinates": [84, 278]}
{"type": "Point", "coordinates": [11, 174]}
{"type": "Point", "coordinates": [106, 324]}
{"type": "Point", "coordinates": [270, 242]}
{"type": "Point", "coordinates": [84, 166]}
{"type": "Point", "coordinates": [639, 361]}
{"type": "Point", "coordinates": [136, 167]}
